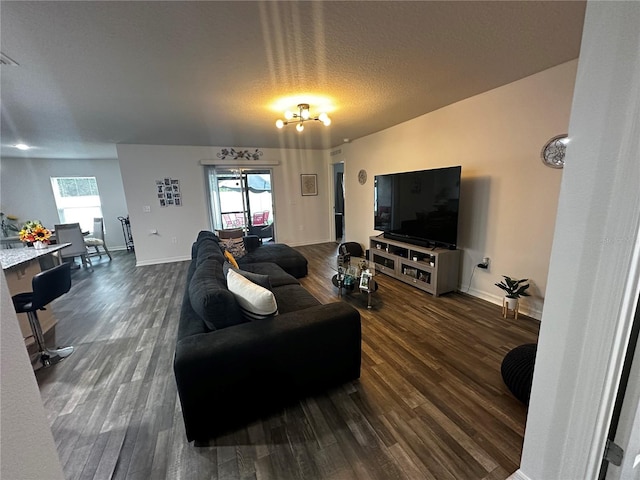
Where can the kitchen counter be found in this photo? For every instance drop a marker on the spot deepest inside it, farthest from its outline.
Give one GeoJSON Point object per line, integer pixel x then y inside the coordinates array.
{"type": "Point", "coordinates": [13, 257]}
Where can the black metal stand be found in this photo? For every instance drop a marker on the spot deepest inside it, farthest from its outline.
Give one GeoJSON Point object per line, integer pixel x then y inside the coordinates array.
{"type": "Point", "coordinates": [126, 231]}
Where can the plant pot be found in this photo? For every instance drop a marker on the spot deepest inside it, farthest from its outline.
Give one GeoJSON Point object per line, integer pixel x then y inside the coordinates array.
{"type": "Point", "coordinates": [39, 245]}
{"type": "Point", "coordinates": [511, 303]}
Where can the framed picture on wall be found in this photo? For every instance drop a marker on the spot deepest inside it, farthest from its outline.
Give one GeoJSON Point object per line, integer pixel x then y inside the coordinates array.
{"type": "Point", "coordinates": [309, 184]}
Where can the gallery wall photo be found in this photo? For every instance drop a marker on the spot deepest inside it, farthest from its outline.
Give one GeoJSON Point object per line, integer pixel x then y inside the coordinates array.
{"type": "Point", "coordinates": [168, 191]}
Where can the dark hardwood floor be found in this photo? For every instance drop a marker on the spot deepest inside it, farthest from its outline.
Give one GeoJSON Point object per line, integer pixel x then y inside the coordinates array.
{"type": "Point", "coordinates": [430, 403]}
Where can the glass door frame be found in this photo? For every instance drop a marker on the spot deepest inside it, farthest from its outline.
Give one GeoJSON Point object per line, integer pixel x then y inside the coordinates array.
{"type": "Point", "coordinates": [214, 175]}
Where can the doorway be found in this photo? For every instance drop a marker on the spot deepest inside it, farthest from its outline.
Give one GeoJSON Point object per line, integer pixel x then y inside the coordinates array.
{"type": "Point", "coordinates": [242, 198]}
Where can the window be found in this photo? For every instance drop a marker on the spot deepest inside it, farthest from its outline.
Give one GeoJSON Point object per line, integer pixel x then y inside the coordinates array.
{"type": "Point", "coordinates": [77, 200]}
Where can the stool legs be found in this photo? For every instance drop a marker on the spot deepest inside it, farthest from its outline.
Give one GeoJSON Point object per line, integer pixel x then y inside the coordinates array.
{"type": "Point", "coordinates": [48, 356]}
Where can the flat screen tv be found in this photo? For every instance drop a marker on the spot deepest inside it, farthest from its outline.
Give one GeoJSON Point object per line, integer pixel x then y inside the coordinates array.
{"type": "Point", "coordinates": [419, 207]}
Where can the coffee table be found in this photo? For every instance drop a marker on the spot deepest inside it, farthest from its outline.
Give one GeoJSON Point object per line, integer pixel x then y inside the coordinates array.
{"type": "Point", "coordinates": [355, 275]}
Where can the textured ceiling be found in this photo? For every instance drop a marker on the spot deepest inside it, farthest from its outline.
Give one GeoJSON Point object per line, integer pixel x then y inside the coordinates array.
{"type": "Point", "coordinates": [94, 74]}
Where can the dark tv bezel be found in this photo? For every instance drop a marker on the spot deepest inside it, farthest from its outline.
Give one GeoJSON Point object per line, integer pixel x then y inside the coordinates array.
{"type": "Point", "coordinates": [421, 241]}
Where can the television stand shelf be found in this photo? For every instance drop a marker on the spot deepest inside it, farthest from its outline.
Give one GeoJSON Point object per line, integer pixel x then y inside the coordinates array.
{"type": "Point", "coordinates": [434, 270]}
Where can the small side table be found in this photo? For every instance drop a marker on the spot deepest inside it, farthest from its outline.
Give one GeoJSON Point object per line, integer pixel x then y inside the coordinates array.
{"type": "Point", "coordinates": [515, 304]}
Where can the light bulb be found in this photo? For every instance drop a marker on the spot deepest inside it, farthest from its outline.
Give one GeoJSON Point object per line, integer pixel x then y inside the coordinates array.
{"type": "Point", "coordinates": [305, 113]}
{"type": "Point", "coordinates": [288, 115]}
{"type": "Point", "coordinates": [326, 121]}
{"type": "Point", "coordinates": [300, 127]}
{"type": "Point", "coordinates": [279, 123]}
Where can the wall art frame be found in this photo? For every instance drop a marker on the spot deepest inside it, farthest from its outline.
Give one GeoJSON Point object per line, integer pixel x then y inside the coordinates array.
{"type": "Point", "coordinates": [308, 184]}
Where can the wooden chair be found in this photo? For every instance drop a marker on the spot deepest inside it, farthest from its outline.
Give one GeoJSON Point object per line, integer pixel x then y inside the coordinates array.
{"type": "Point", "coordinates": [96, 240]}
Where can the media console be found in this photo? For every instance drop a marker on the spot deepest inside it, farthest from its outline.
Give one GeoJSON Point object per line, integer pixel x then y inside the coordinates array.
{"type": "Point", "coordinates": [434, 270]}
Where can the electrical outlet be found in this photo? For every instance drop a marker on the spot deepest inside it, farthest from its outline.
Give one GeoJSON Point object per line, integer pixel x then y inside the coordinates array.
{"type": "Point", "coordinates": [485, 263]}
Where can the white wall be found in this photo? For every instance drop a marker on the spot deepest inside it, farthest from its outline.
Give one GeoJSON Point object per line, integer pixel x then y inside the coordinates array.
{"type": "Point", "coordinates": [508, 197]}
{"type": "Point", "coordinates": [25, 190]}
{"type": "Point", "coordinates": [595, 264]}
{"type": "Point", "coordinates": [298, 220]}
{"type": "Point", "coordinates": [27, 448]}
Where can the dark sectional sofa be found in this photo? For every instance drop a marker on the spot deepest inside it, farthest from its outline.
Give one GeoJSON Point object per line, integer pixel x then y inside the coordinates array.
{"type": "Point", "coordinates": [230, 371]}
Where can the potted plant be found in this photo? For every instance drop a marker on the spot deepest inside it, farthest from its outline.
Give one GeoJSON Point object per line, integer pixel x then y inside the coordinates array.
{"type": "Point", "coordinates": [514, 290]}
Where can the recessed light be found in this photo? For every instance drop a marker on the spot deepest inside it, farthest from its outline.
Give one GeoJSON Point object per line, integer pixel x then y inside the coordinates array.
{"type": "Point", "coordinates": [22, 146]}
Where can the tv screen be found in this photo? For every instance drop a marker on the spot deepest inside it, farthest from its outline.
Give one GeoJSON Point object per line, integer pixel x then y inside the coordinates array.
{"type": "Point", "coordinates": [419, 207]}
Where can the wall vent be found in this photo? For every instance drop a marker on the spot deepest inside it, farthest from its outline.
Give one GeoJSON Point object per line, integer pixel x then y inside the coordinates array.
{"type": "Point", "coordinates": [5, 60]}
{"type": "Point", "coordinates": [336, 152]}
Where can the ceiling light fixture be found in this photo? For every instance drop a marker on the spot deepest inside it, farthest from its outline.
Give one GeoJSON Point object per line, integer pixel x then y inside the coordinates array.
{"type": "Point", "coordinates": [302, 116]}
{"type": "Point", "coordinates": [22, 146]}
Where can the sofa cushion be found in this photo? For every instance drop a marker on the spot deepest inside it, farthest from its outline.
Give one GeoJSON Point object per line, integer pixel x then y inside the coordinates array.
{"type": "Point", "coordinates": [291, 261]}
{"type": "Point", "coordinates": [257, 278]}
{"type": "Point", "coordinates": [210, 298]}
{"type": "Point", "coordinates": [277, 276]}
{"type": "Point", "coordinates": [208, 248]}
{"type": "Point", "coordinates": [251, 242]}
{"type": "Point", "coordinates": [292, 298]}
{"type": "Point", "coordinates": [256, 302]}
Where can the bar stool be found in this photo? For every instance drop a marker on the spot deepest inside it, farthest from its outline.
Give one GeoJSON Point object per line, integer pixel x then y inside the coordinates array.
{"type": "Point", "coordinates": [47, 286]}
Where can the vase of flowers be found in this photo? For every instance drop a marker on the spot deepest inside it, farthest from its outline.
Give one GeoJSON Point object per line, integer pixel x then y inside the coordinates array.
{"type": "Point", "coordinates": [34, 233]}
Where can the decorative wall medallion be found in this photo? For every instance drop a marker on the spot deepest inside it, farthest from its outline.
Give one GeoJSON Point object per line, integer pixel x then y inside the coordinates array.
{"type": "Point", "coordinates": [362, 176]}
{"type": "Point", "coordinates": [553, 152]}
{"type": "Point", "coordinates": [234, 154]}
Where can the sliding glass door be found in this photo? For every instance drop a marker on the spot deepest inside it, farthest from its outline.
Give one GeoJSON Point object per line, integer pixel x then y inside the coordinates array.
{"type": "Point", "coordinates": [241, 199]}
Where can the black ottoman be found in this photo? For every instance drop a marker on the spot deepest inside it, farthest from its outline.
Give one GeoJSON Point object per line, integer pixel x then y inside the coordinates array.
{"type": "Point", "coordinates": [517, 370]}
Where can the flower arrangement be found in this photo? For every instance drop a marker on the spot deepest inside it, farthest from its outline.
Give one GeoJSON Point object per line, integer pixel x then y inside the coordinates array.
{"type": "Point", "coordinates": [33, 231]}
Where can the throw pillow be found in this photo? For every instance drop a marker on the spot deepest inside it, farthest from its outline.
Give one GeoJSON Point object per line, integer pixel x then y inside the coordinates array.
{"type": "Point", "coordinates": [257, 278]}
{"type": "Point", "coordinates": [235, 246]}
{"type": "Point", "coordinates": [230, 258]}
{"type": "Point", "coordinates": [255, 302]}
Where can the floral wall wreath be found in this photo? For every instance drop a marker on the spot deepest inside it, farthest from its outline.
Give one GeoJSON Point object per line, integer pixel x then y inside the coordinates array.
{"type": "Point", "coordinates": [231, 153]}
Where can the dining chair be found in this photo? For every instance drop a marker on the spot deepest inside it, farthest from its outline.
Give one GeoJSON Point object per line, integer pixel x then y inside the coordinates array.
{"type": "Point", "coordinates": [71, 233]}
{"type": "Point", "coordinates": [258, 219]}
{"type": "Point", "coordinates": [96, 240]}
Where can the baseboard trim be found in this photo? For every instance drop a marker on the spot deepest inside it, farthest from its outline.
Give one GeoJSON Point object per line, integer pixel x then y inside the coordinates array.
{"type": "Point", "coordinates": [497, 300]}
{"type": "Point", "coordinates": [518, 475]}
{"type": "Point", "coordinates": [158, 261]}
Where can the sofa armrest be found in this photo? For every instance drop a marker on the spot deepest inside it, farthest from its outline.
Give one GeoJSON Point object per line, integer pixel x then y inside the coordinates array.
{"type": "Point", "coordinates": [239, 372]}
